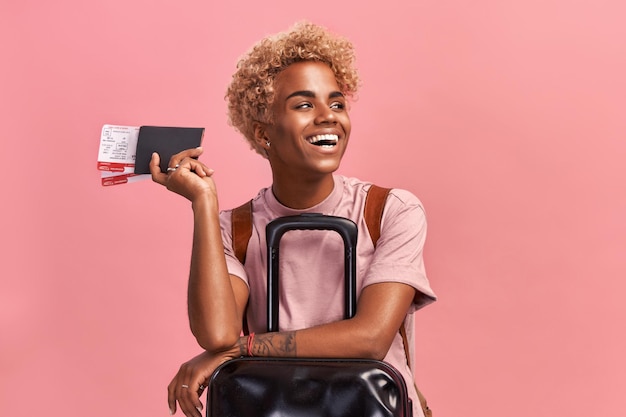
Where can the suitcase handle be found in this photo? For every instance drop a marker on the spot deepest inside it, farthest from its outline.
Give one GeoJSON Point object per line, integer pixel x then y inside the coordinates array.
{"type": "Point", "coordinates": [275, 230]}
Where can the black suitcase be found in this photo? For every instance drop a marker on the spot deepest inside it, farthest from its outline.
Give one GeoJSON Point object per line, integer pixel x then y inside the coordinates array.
{"type": "Point", "coordinates": [301, 387]}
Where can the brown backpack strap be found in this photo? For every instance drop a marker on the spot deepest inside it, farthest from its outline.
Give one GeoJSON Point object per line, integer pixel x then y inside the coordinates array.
{"type": "Point", "coordinates": [373, 210]}
{"type": "Point", "coordinates": [373, 213]}
{"type": "Point", "coordinates": [405, 340]}
{"type": "Point", "coordinates": [241, 226]}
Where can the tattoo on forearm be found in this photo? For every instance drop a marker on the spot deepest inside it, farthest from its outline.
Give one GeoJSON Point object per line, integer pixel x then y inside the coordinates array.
{"type": "Point", "coordinates": [242, 347]}
{"type": "Point", "coordinates": [275, 345]}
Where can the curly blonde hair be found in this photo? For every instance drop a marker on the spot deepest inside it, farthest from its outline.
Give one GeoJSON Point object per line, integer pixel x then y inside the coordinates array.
{"type": "Point", "coordinates": [251, 91]}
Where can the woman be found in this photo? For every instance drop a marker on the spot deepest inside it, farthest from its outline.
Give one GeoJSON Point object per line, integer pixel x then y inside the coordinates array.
{"type": "Point", "coordinates": [289, 99]}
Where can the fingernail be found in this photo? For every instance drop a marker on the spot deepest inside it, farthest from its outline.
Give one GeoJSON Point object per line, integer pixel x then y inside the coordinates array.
{"type": "Point", "coordinates": [171, 412]}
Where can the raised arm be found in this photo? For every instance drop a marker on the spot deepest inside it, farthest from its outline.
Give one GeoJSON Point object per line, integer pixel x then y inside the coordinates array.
{"type": "Point", "coordinates": [216, 301]}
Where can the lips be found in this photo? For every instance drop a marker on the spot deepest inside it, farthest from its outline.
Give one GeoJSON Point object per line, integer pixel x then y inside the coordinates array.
{"type": "Point", "coordinates": [325, 140]}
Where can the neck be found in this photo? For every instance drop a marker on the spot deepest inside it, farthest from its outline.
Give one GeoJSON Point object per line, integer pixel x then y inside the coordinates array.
{"type": "Point", "coordinates": [303, 194]}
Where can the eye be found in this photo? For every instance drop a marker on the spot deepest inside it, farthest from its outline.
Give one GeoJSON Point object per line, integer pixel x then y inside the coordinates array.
{"type": "Point", "coordinates": [305, 105]}
{"type": "Point", "coordinates": [337, 105]}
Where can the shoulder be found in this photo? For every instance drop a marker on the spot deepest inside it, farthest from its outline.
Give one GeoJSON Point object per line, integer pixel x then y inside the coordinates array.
{"type": "Point", "coordinates": [397, 196]}
{"type": "Point", "coordinates": [400, 198]}
{"type": "Point", "coordinates": [257, 201]}
{"type": "Point", "coordinates": [403, 212]}
{"type": "Point", "coordinates": [352, 187]}
{"type": "Point", "coordinates": [240, 216]}
{"type": "Point", "coordinates": [397, 202]}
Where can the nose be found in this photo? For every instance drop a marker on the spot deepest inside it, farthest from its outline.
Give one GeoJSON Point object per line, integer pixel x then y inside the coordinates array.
{"type": "Point", "coordinates": [325, 115]}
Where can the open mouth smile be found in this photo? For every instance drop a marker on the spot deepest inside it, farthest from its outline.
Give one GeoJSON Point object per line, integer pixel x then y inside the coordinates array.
{"type": "Point", "coordinates": [325, 141]}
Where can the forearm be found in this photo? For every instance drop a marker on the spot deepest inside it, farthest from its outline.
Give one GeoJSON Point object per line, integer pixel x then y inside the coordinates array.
{"type": "Point", "coordinates": [213, 313]}
{"type": "Point", "coordinates": [344, 339]}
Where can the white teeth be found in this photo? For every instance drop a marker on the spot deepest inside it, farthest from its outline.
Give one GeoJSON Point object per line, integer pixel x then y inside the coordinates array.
{"type": "Point", "coordinates": [319, 138]}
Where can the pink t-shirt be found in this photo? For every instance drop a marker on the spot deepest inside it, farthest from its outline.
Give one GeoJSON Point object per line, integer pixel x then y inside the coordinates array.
{"type": "Point", "coordinates": [311, 262]}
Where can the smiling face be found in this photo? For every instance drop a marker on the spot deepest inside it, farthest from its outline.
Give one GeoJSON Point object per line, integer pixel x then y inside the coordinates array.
{"type": "Point", "coordinates": [310, 129]}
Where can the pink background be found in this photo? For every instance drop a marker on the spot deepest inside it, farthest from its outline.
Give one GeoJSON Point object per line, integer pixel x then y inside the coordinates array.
{"type": "Point", "coordinates": [507, 118]}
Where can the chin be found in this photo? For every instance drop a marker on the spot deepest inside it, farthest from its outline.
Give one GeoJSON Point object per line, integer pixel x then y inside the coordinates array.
{"type": "Point", "coordinates": [328, 169]}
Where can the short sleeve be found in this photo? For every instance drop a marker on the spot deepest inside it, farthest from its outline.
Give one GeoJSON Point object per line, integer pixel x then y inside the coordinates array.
{"type": "Point", "coordinates": [232, 263]}
{"type": "Point", "coordinates": [399, 252]}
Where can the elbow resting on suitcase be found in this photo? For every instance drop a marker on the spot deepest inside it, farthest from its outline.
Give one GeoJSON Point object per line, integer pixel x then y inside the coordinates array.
{"type": "Point", "coordinates": [217, 341]}
{"type": "Point", "coordinates": [374, 346]}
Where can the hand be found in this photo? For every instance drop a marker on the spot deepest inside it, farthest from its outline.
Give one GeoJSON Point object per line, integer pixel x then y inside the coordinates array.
{"type": "Point", "coordinates": [187, 176]}
{"type": "Point", "coordinates": [191, 380]}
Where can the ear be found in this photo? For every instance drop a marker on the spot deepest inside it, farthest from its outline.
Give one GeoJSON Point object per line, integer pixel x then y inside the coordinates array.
{"type": "Point", "coordinates": [260, 135]}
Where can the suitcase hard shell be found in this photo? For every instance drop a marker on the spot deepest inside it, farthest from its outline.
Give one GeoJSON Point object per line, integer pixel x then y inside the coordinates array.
{"type": "Point", "coordinates": [307, 387]}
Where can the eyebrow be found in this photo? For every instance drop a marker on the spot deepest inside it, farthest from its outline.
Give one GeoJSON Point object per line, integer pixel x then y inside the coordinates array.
{"type": "Point", "coordinates": [311, 94]}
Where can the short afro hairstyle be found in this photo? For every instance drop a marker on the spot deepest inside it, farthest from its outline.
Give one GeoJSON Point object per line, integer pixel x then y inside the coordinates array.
{"type": "Point", "coordinates": [251, 91]}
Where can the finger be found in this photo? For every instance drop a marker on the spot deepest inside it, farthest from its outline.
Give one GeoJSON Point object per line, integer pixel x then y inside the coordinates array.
{"type": "Point", "coordinates": [194, 387]}
{"type": "Point", "coordinates": [171, 396]}
{"type": "Point", "coordinates": [155, 169]}
{"type": "Point", "coordinates": [201, 389]}
{"type": "Point", "coordinates": [189, 402]}
{"type": "Point", "coordinates": [197, 167]}
{"type": "Point", "coordinates": [188, 393]}
{"type": "Point", "coordinates": [187, 153]}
